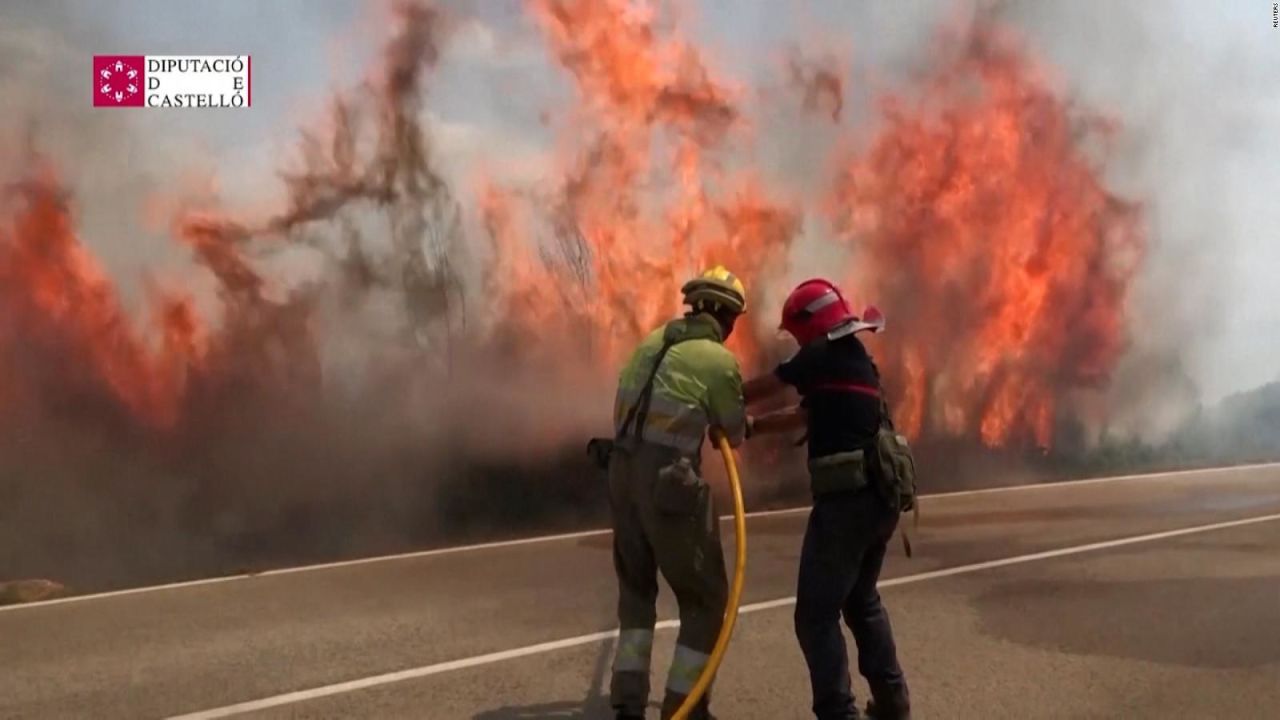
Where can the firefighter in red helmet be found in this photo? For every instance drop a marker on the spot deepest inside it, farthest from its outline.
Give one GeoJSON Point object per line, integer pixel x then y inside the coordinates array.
{"type": "Point", "coordinates": [814, 308]}
{"type": "Point", "coordinates": [851, 522]}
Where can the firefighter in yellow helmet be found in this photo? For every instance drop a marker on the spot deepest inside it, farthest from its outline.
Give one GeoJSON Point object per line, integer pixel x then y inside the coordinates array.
{"type": "Point", "coordinates": [679, 382]}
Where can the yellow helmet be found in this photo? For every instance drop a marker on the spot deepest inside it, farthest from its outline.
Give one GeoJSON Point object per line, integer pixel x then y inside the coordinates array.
{"type": "Point", "coordinates": [719, 287]}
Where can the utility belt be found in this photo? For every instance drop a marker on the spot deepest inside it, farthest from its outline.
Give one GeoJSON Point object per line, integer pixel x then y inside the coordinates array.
{"type": "Point", "coordinates": [841, 472]}
{"type": "Point", "coordinates": [885, 461]}
{"type": "Point", "coordinates": [885, 464]}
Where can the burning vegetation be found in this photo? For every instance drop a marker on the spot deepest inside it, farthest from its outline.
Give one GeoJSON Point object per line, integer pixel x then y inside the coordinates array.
{"type": "Point", "coordinates": [441, 371]}
{"type": "Point", "coordinates": [984, 224]}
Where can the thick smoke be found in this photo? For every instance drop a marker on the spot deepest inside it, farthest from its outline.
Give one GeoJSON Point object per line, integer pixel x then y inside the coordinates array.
{"type": "Point", "coordinates": [350, 411]}
{"type": "Point", "coordinates": [1187, 84]}
{"type": "Point", "coordinates": [396, 355]}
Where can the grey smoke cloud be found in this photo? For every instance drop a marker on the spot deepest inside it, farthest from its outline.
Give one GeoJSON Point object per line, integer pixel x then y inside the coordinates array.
{"type": "Point", "coordinates": [393, 441]}
{"type": "Point", "coordinates": [1193, 83]}
{"type": "Point", "coordinates": [1189, 81]}
{"type": "Point", "coordinates": [1195, 87]}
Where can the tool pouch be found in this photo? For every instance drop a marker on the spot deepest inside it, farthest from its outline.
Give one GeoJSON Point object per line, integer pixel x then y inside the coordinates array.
{"type": "Point", "coordinates": [679, 490]}
{"type": "Point", "coordinates": [840, 472]}
{"type": "Point", "coordinates": [894, 470]}
{"type": "Point", "coordinates": [600, 451]}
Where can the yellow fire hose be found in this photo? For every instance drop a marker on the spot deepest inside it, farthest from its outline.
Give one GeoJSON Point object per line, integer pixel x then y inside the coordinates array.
{"type": "Point", "coordinates": [735, 590]}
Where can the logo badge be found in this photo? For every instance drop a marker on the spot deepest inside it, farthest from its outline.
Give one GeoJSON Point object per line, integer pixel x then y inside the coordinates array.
{"type": "Point", "coordinates": [119, 80]}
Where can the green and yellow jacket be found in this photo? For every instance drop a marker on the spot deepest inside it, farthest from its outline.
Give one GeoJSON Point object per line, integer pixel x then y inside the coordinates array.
{"type": "Point", "coordinates": [698, 385]}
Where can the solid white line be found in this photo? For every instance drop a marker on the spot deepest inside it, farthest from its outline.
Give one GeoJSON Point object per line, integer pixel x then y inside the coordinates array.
{"type": "Point", "coordinates": [1106, 479]}
{"type": "Point", "coordinates": [309, 568]}
{"type": "Point", "coordinates": [497, 545]}
{"type": "Point", "coordinates": [540, 648]}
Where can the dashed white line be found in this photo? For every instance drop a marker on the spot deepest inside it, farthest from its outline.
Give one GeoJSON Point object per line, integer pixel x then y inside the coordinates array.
{"type": "Point", "coordinates": [546, 647]}
{"type": "Point", "coordinates": [595, 533]}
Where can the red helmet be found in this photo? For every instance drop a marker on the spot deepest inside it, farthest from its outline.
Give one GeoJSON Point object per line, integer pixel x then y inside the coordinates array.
{"type": "Point", "coordinates": [814, 309]}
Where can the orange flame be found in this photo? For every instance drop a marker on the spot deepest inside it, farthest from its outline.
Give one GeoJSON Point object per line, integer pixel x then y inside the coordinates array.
{"type": "Point", "coordinates": [643, 98]}
{"type": "Point", "coordinates": [988, 232]}
{"type": "Point", "coordinates": [978, 220]}
{"type": "Point", "coordinates": [67, 313]}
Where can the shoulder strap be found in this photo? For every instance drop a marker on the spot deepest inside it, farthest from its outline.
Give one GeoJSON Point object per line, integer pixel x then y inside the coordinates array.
{"type": "Point", "coordinates": [886, 421]}
{"type": "Point", "coordinates": [640, 410]}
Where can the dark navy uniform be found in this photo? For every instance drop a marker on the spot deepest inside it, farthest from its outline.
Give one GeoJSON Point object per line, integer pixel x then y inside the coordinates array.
{"type": "Point", "coordinates": [849, 530]}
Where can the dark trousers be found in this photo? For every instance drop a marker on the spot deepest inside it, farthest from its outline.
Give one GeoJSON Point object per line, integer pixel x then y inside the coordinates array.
{"type": "Point", "coordinates": [844, 548]}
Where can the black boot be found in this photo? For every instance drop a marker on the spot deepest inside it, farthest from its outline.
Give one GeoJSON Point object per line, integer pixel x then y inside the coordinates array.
{"type": "Point", "coordinates": [889, 710]}
{"type": "Point", "coordinates": [890, 703]}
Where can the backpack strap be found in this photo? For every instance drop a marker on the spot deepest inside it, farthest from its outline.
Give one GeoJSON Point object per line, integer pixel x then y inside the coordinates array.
{"type": "Point", "coordinates": [886, 422]}
{"type": "Point", "coordinates": [639, 412]}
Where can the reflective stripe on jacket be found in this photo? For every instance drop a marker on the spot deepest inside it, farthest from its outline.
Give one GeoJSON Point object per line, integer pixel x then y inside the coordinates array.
{"type": "Point", "coordinates": [698, 385]}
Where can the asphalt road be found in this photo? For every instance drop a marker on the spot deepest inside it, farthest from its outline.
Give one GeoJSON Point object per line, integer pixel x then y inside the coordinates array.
{"type": "Point", "coordinates": [1156, 597]}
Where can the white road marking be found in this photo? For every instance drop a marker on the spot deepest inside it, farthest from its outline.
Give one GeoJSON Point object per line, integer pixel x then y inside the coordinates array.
{"type": "Point", "coordinates": [1107, 479]}
{"type": "Point", "coordinates": [594, 533]}
{"type": "Point", "coordinates": [308, 568]}
{"type": "Point", "coordinates": [540, 648]}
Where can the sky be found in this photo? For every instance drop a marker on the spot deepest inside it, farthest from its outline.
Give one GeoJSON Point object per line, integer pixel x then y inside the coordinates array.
{"type": "Point", "coordinates": [1196, 86]}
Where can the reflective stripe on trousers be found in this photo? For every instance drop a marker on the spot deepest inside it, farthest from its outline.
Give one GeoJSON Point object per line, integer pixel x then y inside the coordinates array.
{"type": "Point", "coordinates": [686, 666]}
{"type": "Point", "coordinates": [635, 647]}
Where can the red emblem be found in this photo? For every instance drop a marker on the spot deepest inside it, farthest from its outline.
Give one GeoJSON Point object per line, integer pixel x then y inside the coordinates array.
{"type": "Point", "coordinates": [119, 80]}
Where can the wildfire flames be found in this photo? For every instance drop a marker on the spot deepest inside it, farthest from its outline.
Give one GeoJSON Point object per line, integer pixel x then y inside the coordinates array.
{"type": "Point", "coordinates": [976, 218]}
{"type": "Point", "coordinates": [990, 237]}
{"type": "Point", "coordinates": [66, 339]}
{"type": "Point", "coordinates": [652, 115]}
